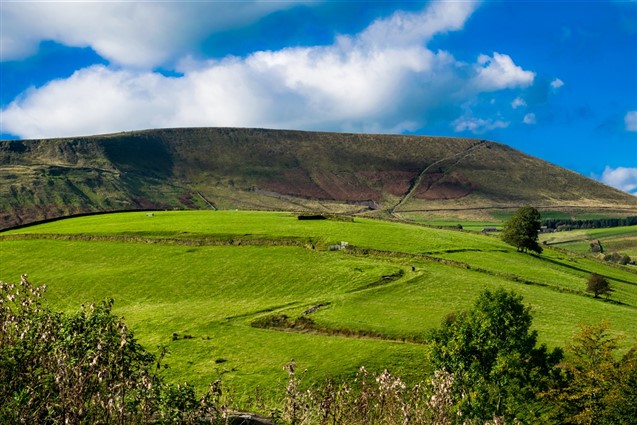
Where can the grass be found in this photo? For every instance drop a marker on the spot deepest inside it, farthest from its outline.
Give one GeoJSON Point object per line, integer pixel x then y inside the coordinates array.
{"type": "Point", "coordinates": [210, 274]}
{"type": "Point", "coordinates": [193, 225]}
{"type": "Point", "coordinates": [205, 292]}
{"type": "Point", "coordinates": [475, 226]}
{"type": "Point", "coordinates": [614, 239]}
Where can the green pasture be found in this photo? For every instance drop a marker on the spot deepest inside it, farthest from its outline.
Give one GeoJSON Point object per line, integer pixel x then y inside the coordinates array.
{"type": "Point", "coordinates": [476, 226]}
{"type": "Point", "coordinates": [614, 239]}
{"type": "Point", "coordinates": [195, 281]}
{"type": "Point", "coordinates": [246, 225]}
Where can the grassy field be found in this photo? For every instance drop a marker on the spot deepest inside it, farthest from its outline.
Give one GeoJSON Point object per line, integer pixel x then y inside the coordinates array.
{"type": "Point", "coordinates": [615, 239]}
{"type": "Point", "coordinates": [196, 281]}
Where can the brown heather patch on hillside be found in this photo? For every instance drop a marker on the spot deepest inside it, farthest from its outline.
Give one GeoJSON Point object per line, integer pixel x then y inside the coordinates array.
{"type": "Point", "coordinates": [441, 186]}
{"type": "Point", "coordinates": [344, 186]}
{"type": "Point", "coordinates": [393, 182]}
{"type": "Point", "coordinates": [24, 215]}
{"type": "Point", "coordinates": [294, 183]}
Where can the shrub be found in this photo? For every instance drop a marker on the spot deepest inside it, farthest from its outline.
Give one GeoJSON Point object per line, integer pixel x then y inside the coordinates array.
{"type": "Point", "coordinates": [368, 399]}
{"type": "Point", "coordinates": [598, 285]}
{"type": "Point", "coordinates": [618, 258]}
{"type": "Point", "coordinates": [496, 367]}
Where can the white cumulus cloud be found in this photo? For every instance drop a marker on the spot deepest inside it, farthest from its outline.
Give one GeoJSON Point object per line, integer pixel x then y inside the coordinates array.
{"type": "Point", "coordinates": [407, 29]}
{"type": "Point", "coordinates": [631, 121]}
{"type": "Point", "coordinates": [623, 178]}
{"type": "Point", "coordinates": [120, 31]}
{"type": "Point", "coordinates": [500, 72]}
{"type": "Point", "coordinates": [383, 79]}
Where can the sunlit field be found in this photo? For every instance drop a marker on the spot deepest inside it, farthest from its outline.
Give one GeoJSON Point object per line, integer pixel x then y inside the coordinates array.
{"type": "Point", "coordinates": [196, 282]}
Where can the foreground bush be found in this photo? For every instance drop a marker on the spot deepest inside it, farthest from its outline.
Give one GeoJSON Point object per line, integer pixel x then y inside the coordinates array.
{"type": "Point", "coordinates": [368, 399]}
{"type": "Point", "coordinates": [498, 368]}
{"type": "Point", "coordinates": [85, 367]}
{"type": "Point", "coordinates": [601, 387]}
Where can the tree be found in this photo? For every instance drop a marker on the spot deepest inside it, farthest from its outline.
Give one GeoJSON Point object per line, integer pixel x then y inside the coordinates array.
{"type": "Point", "coordinates": [600, 389]}
{"type": "Point", "coordinates": [522, 229]}
{"type": "Point", "coordinates": [598, 285]}
{"type": "Point", "coordinates": [497, 370]}
{"type": "Point", "coordinates": [622, 399]}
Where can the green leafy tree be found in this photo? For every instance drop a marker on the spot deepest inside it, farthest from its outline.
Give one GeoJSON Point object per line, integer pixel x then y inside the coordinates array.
{"type": "Point", "coordinates": [621, 402]}
{"type": "Point", "coordinates": [522, 230]}
{"type": "Point", "coordinates": [492, 355]}
{"type": "Point", "coordinates": [600, 389]}
{"type": "Point", "coordinates": [598, 285]}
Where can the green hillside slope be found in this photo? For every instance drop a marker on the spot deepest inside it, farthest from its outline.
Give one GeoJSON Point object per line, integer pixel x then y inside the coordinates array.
{"type": "Point", "coordinates": [199, 281]}
{"type": "Point", "coordinates": [225, 168]}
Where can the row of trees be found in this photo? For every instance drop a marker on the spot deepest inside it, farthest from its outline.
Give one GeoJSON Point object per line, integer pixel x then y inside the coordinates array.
{"type": "Point", "coordinates": [598, 223]}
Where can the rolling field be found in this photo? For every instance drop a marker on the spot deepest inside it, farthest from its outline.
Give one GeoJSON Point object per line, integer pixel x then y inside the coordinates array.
{"type": "Point", "coordinates": [614, 239]}
{"type": "Point", "coordinates": [196, 281]}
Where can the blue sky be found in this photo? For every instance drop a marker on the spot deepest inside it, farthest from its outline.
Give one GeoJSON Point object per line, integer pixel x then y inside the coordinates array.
{"type": "Point", "coordinates": [555, 79]}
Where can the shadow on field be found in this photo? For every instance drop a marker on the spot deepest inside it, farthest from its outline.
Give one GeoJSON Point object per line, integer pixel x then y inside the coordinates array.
{"type": "Point", "coordinates": [570, 266]}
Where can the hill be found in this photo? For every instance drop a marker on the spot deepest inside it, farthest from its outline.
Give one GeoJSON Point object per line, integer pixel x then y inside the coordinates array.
{"type": "Point", "coordinates": [238, 294]}
{"type": "Point", "coordinates": [227, 168]}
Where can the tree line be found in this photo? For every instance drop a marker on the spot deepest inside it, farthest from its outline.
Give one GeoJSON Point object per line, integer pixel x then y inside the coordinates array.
{"type": "Point", "coordinates": [598, 223]}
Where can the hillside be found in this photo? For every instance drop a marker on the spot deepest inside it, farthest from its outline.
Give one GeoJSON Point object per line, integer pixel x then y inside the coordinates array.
{"type": "Point", "coordinates": [220, 289]}
{"type": "Point", "coordinates": [226, 168]}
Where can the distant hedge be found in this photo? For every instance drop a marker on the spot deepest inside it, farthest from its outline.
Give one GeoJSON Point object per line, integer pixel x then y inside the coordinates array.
{"type": "Point", "coordinates": [561, 224]}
